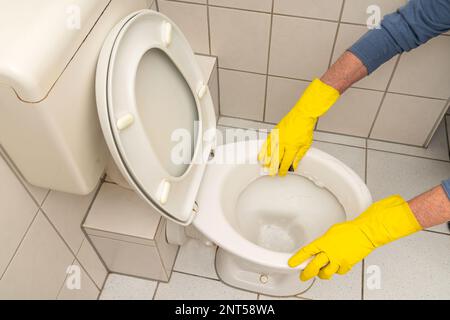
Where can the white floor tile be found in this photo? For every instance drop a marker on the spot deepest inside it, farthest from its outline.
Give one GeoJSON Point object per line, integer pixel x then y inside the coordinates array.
{"type": "Point", "coordinates": [355, 158]}
{"type": "Point", "coordinates": [196, 258]}
{"type": "Point", "coordinates": [38, 269]}
{"type": "Point", "coordinates": [87, 290]}
{"type": "Point", "coordinates": [92, 263]}
{"type": "Point", "coordinates": [437, 149]}
{"type": "Point", "coordinates": [347, 287]}
{"type": "Point", "coordinates": [66, 212]}
{"type": "Point", "coordinates": [17, 211]}
{"type": "Point", "coordinates": [389, 173]}
{"type": "Point", "coordinates": [118, 287]}
{"type": "Point", "coordinates": [182, 286]}
{"type": "Point", "coordinates": [416, 267]}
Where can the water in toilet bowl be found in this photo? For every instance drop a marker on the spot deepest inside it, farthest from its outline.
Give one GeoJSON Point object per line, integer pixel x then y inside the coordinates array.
{"type": "Point", "coordinates": [283, 214]}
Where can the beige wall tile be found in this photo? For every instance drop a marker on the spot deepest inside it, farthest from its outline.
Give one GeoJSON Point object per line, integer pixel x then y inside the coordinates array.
{"type": "Point", "coordinates": [349, 34]}
{"type": "Point", "coordinates": [258, 5]}
{"type": "Point", "coordinates": [407, 119]}
{"type": "Point", "coordinates": [191, 19]}
{"type": "Point", "coordinates": [425, 71]}
{"type": "Point", "coordinates": [242, 94]}
{"type": "Point", "coordinates": [131, 258]}
{"type": "Point", "coordinates": [87, 291]}
{"type": "Point", "coordinates": [353, 114]}
{"type": "Point", "coordinates": [92, 263]}
{"type": "Point", "coordinates": [122, 211]}
{"type": "Point", "coordinates": [319, 9]}
{"type": "Point", "coordinates": [67, 211]}
{"type": "Point", "coordinates": [282, 95]}
{"type": "Point", "coordinates": [437, 148]}
{"type": "Point", "coordinates": [240, 38]}
{"type": "Point", "coordinates": [301, 48]}
{"type": "Point", "coordinates": [17, 211]}
{"type": "Point", "coordinates": [355, 11]}
{"type": "Point", "coordinates": [168, 252]}
{"type": "Point", "coordinates": [39, 267]}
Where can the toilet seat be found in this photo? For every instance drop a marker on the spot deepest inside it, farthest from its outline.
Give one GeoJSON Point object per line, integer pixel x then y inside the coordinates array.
{"type": "Point", "coordinates": [137, 111]}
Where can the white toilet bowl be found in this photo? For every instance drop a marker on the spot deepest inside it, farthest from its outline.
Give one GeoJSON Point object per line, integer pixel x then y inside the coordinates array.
{"type": "Point", "coordinates": [149, 86]}
{"type": "Point", "coordinates": [258, 221]}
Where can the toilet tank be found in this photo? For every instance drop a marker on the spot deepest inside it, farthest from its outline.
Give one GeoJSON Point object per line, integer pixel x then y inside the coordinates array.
{"type": "Point", "coordinates": [48, 118]}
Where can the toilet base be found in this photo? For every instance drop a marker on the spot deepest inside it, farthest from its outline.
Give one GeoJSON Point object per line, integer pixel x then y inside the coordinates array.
{"type": "Point", "coordinates": [241, 274]}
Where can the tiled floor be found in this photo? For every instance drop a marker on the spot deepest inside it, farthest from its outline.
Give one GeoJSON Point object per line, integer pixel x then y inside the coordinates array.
{"type": "Point", "coordinates": [417, 267]}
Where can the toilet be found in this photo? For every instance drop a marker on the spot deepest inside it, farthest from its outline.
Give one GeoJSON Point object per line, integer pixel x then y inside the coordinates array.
{"type": "Point", "coordinates": [148, 86]}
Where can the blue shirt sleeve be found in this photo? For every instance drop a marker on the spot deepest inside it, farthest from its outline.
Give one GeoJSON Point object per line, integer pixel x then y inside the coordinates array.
{"type": "Point", "coordinates": [446, 186]}
{"type": "Point", "coordinates": [409, 27]}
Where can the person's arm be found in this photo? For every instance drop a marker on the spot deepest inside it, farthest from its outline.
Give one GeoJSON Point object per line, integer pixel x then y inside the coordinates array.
{"type": "Point", "coordinates": [409, 27]}
{"type": "Point", "coordinates": [431, 208]}
{"type": "Point", "coordinates": [346, 71]}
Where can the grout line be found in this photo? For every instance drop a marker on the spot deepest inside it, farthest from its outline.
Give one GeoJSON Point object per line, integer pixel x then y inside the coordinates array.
{"type": "Point", "coordinates": [268, 63]}
{"type": "Point", "coordinates": [307, 18]}
{"type": "Point", "coordinates": [333, 48]}
{"type": "Point", "coordinates": [64, 281]}
{"type": "Point", "coordinates": [219, 107]}
{"type": "Point", "coordinates": [366, 165]}
{"type": "Point", "coordinates": [409, 155]}
{"type": "Point", "coordinates": [352, 87]}
{"type": "Point", "coordinates": [416, 95]}
{"type": "Point", "coordinates": [384, 95]}
{"type": "Point", "coordinates": [67, 245]}
{"type": "Point", "coordinates": [196, 275]}
{"type": "Point", "coordinates": [208, 21]}
{"type": "Point", "coordinates": [19, 244]}
{"type": "Point", "coordinates": [156, 289]}
{"type": "Point", "coordinates": [437, 232]}
{"type": "Point", "coordinates": [243, 71]}
{"type": "Point", "coordinates": [437, 124]}
{"type": "Point", "coordinates": [447, 130]}
{"type": "Point", "coordinates": [339, 143]}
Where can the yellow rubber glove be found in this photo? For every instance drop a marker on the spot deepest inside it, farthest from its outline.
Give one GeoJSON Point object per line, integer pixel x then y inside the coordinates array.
{"type": "Point", "coordinates": [293, 136]}
{"type": "Point", "coordinates": [346, 244]}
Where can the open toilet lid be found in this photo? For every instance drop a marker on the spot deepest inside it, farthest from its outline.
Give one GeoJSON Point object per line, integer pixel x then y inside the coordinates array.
{"type": "Point", "coordinates": [156, 112]}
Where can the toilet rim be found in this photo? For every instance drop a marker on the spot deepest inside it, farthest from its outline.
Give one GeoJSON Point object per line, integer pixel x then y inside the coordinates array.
{"type": "Point", "coordinates": [215, 225]}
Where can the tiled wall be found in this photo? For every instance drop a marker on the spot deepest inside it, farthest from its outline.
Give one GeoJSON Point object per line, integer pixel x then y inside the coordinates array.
{"type": "Point", "coordinates": [269, 50]}
{"type": "Point", "coordinates": [41, 236]}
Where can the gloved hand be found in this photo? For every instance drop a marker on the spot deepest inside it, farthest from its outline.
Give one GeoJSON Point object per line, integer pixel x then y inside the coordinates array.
{"type": "Point", "coordinates": [346, 244]}
{"type": "Point", "coordinates": [293, 136]}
